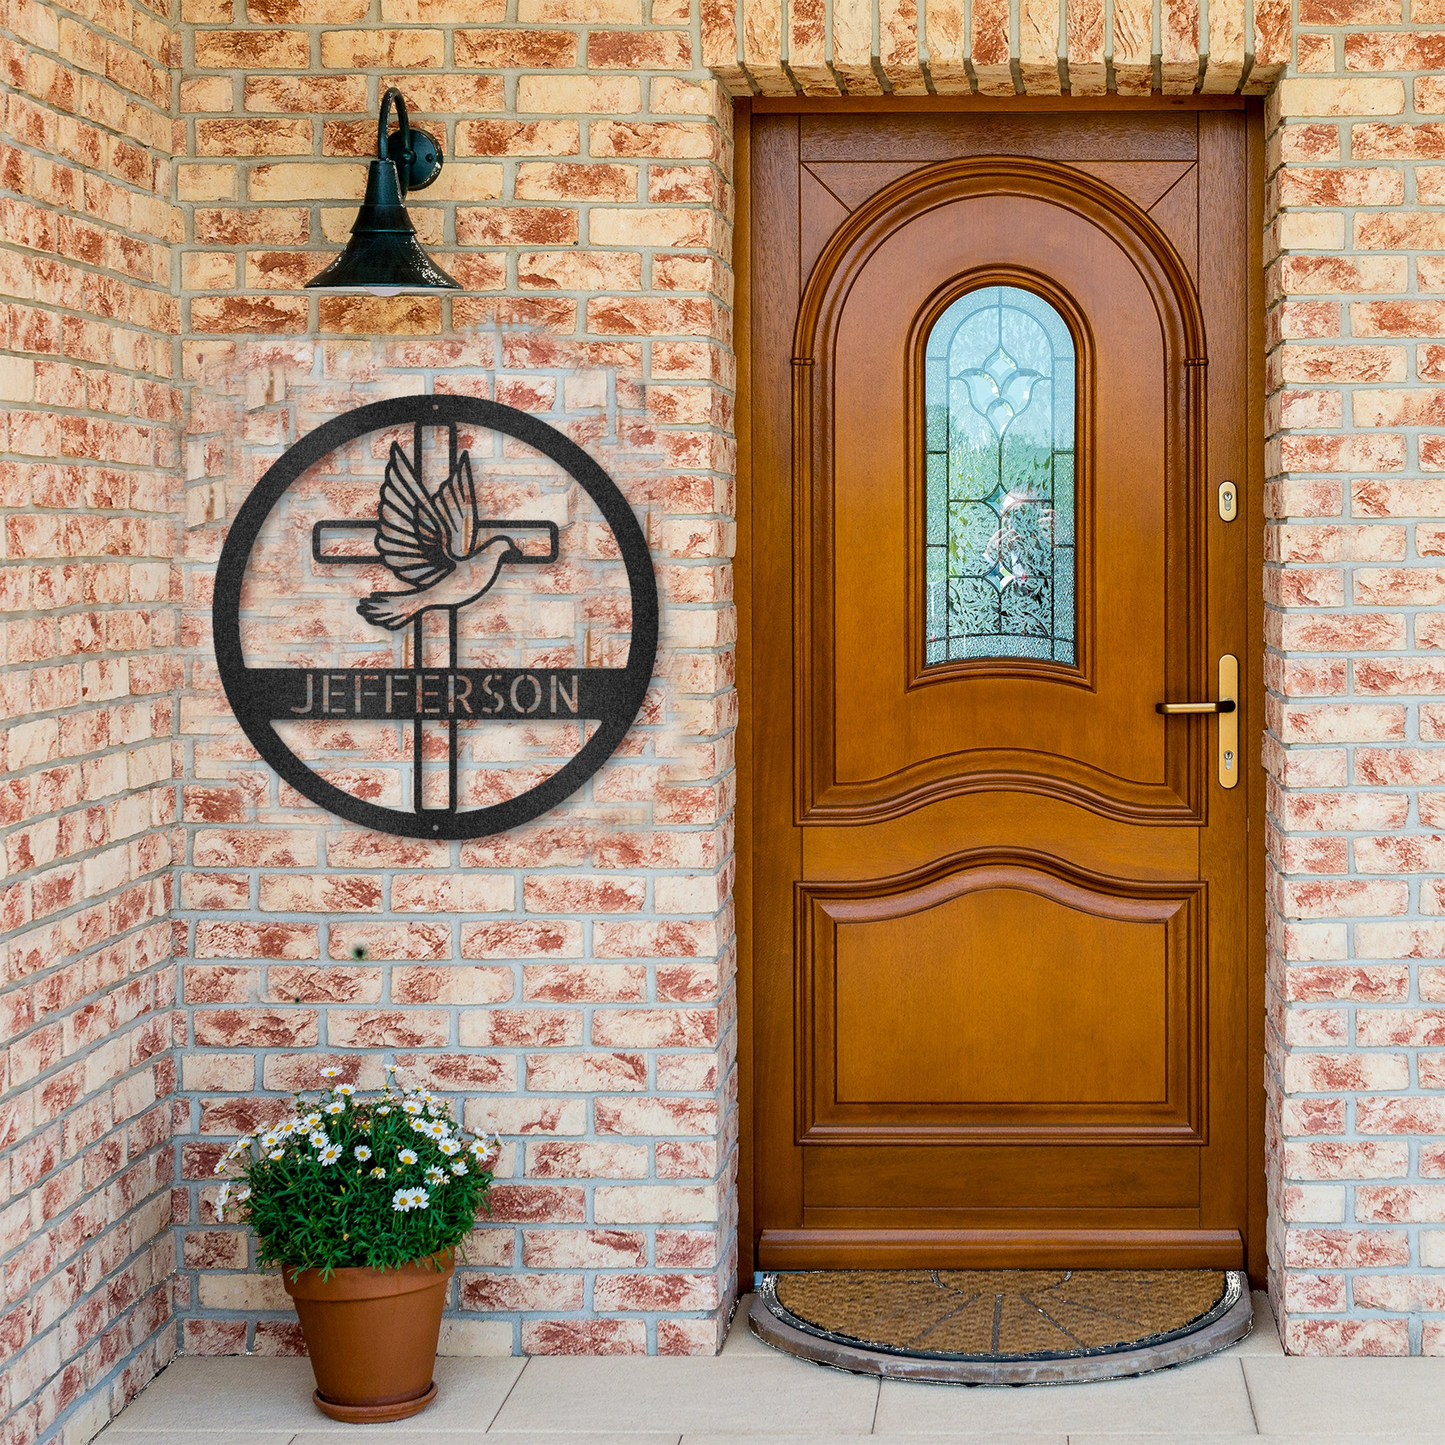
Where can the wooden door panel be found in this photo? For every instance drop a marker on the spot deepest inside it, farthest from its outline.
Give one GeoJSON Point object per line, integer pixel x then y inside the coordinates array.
{"type": "Point", "coordinates": [1054, 825]}
{"type": "Point", "coordinates": [1000, 903]}
{"type": "Point", "coordinates": [987, 1179]}
{"type": "Point", "coordinates": [1088, 730]}
{"type": "Point", "coordinates": [1001, 997]}
{"type": "Point", "coordinates": [1168, 190]}
{"type": "Point", "coordinates": [1177, 214]}
{"type": "Point", "coordinates": [1144, 182]}
{"type": "Point", "coordinates": [1138, 136]}
{"type": "Point", "coordinates": [1004, 999]}
{"type": "Point", "coordinates": [1041, 720]}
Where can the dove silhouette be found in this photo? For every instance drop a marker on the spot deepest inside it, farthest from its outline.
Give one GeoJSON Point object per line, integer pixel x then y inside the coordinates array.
{"type": "Point", "coordinates": [432, 541]}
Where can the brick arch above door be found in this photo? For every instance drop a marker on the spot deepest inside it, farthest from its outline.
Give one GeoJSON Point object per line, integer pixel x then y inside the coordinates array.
{"type": "Point", "coordinates": [996, 47]}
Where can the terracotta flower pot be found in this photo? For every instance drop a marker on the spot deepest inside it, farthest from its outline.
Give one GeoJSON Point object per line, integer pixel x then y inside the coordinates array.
{"type": "Point", "coordinates": [372, 1336]}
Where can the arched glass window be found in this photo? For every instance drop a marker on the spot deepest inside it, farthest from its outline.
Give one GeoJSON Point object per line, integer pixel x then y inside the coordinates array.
{"type": "Point", "coordinates": [999, 394]}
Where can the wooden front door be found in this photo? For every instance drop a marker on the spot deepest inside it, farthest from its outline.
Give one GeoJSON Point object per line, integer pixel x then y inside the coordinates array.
{"type": "Point", "coordinates": [1002, 909]}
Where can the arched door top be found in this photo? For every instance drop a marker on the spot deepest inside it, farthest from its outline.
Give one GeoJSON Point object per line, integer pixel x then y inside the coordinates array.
{"type": "Point", "coordinates": [930, 186]}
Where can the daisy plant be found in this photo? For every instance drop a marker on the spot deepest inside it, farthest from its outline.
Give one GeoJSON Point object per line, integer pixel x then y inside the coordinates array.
{"type": "Point", "coordinates": [380, 1180]}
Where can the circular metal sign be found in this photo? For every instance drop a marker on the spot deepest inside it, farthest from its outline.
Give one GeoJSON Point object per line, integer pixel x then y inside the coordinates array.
{"type": "Point", "coordinates": [445, 554]}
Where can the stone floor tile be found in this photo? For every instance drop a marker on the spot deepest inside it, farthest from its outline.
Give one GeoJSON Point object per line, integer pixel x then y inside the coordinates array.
{"type": "Point", "coordinates": [1358, 1398]}
{"type": "Point", "coordinates": [741, 1340]}
{"type": "Point", "coordinates": [116, 1434]}
{"type": "Point", "coordinates": [989, 1439]}
{"type": "Point", "coordinates": [745, 1395]}
{"type": "Point", "coordinates": [1173, 1438]}
{"type": "Point", "coordinates": [1263, 1339]}
{"type": "Point", "coordinates": [221, 1396]}
{"type": "Point", "coordinates": [1208, 1397]}
{"type": "Point", "coordinates": [417, 1432]}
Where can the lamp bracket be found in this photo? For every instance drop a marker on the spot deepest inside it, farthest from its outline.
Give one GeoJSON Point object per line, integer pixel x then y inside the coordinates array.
{"type": "Point", "coordinates": [426, 158]}
{"type": "Point", "coordinates": [417, 156]}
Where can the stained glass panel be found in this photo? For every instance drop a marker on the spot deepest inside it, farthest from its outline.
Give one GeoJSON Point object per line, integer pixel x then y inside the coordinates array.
{"type": "Point", "coordinates": [999, 473]}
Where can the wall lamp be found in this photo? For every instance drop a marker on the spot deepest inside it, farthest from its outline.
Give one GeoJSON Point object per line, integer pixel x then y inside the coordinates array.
{"type": "Point", "coordinates": [383, 256]}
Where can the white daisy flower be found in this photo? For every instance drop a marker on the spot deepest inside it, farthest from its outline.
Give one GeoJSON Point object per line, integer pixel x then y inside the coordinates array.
{"type": "Point", "coordinates": [362, 1153]}
{"type": "Point", "coordinates": [412, 1106]}
{"type": "Point", "coordinates": [378, 1172]}
{"type": "Point", "coordinates": [407, 1156]}
{"type": "Point", "coordinates": [436, 1129]}
{"type": "Point", "coordinates": [277, 1154]}
{"type": "Point", "coordinates": [336, 1106]}
{"type": "Point", "coordinates": [459, 1167]}
{"type": "Point", "coordinates": [243, 1194]}
{"type": "Point", "coordinates": [405, 1200]}
{"type": "Point", "coordinates": [331, 1154]}
{"type": "Point", "coordinates": [435, 1175]}
{"type": "Point", "coordinates": [450, 1146]}
{"type": "Point", "coordinates": [385, 1109]}
{"type": "Point", "coordinates": [224, 1195]}
{"type": "Point", "coordinates": [288, 1128]}
{"type": "Point", "coordinates": [270, 1139]}
{"type": "Point", "coordinates": [482, 1149]}
{"type": "Point", "coordinates": [311, 1120]}
{"type": "Point", "coordinates": [319, 1139]}
{"type": "Point", "coordinates": [221, 1165]}
{"type": "Point", "coordinates": [345, 1090]}
{"type": "Point", "coordinates": [331, 1073]}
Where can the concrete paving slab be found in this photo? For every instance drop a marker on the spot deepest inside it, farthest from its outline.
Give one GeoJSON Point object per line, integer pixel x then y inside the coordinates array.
{"type": "Point", "coordinates": [711, 1439]}
{"type": "Point", "coordinates": [413, 1432]}
{"type": "Point", "coordinates": [1173, 1438]}
{"type": "Point", "coordinates": [1208, 1396]}
{"type": "Point", "coordinates": [221, 1396]}
{"type": "Point", "coordinates": [744, 1395]}
{"type": "Point", "coordinates": [116, 1436]}
{"type": "Point", "coordinates": [1403, 1398]}
{"type": "Point", "coordinates": [1263, 1339]}
{"type": "Point", "coordinates": [741, 1340]}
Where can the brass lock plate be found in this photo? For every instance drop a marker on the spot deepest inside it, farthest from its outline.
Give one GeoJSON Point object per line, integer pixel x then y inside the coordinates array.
{"type": "Point", "coordinates": [1228, 501]}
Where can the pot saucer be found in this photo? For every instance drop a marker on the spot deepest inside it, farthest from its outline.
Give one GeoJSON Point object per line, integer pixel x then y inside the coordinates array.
{"type": "Point", "coordinates": [377, 1414]}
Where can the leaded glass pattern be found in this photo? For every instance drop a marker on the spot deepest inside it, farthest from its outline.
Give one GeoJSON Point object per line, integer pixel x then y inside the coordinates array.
{"type": "Point", "coordinates": [999, 398]}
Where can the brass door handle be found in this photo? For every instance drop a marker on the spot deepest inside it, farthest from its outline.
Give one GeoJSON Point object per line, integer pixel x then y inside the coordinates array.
{"type": "Point", "coordinates": [1228, 704]}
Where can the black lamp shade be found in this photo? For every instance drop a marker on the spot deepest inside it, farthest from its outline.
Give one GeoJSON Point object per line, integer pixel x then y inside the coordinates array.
{"type": "Point", "coordinates": [383, 255]}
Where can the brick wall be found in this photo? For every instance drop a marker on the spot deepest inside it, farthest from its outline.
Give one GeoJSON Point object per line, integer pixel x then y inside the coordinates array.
{"type": "Point", "coordinates": [1354, 587]}
{"type": "Point", "coordinates": [88, 630]}
{"type": "Point", "coordinates": [570, 983]}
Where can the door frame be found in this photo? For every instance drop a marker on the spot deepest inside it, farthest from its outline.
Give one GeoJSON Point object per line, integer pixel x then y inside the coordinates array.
{"type": "Point", "coordinates": [1252, 515]}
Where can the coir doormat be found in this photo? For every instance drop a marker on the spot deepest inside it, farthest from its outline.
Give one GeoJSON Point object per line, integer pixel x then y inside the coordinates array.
{"type": "Point", "coordinates": [1006, 1326]}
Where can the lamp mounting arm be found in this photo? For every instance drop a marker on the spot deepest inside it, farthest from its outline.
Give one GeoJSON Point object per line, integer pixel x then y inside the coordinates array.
{"type": "Point", "coordinates": [417, 157]}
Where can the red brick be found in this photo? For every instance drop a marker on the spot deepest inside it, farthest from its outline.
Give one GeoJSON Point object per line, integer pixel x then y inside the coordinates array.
{"type": "Point", "coordinates": [512, 1292]}
{"type": "Point", "coordinates": [584, 1337]}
